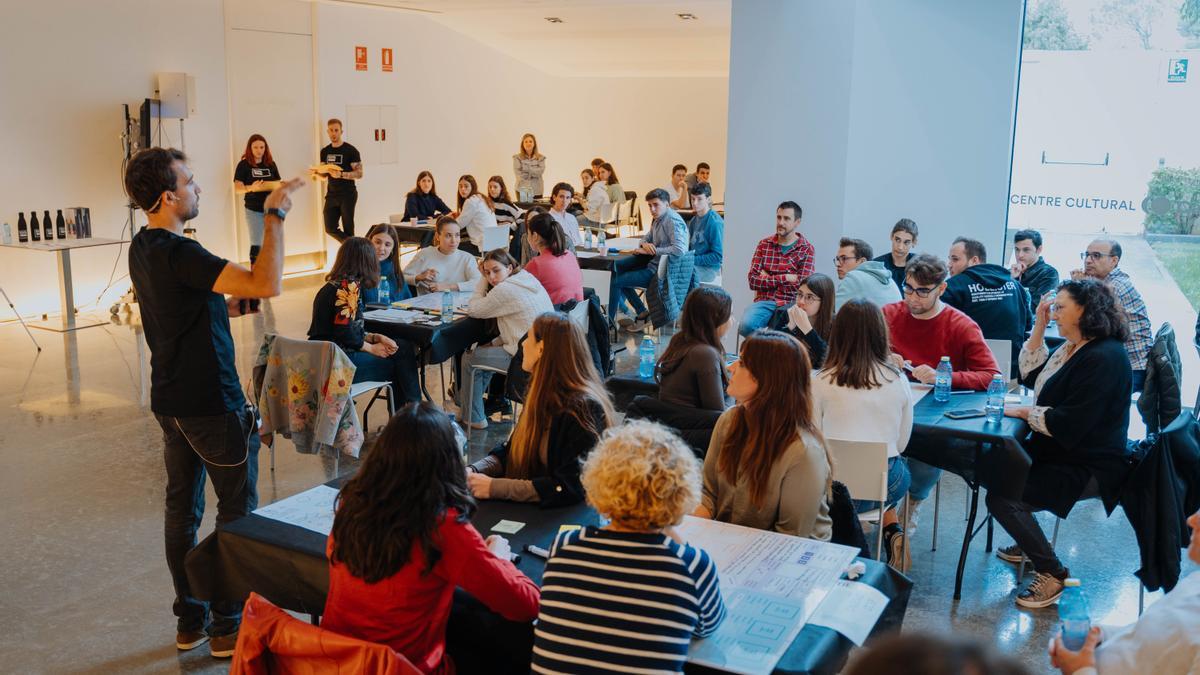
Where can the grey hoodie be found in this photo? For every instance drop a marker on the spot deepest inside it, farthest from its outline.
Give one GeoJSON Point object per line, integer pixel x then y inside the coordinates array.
{"type": "Point", "coordinates": [871, 281]}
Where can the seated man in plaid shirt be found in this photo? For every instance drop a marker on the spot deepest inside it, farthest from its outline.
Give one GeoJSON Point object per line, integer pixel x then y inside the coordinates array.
{"type": "Point", "coordinates": [1100, 261]}
{"type": "Point", "coordinates": [780, 263]}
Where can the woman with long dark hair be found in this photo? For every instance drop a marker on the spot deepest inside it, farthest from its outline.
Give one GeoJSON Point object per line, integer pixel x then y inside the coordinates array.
{"type": "Point", "coordinates": [767, 466]}
{"type": "Point", "coordinates": [422, 202]}
{"type": "Point", "coordinates": [387, 249]}
{"type": "Point", "coordinates": [337, 317]}
{"type": "Point", "coordinates": [811, 319]}
{"type": "Point", "coordinates": [402, 541]}
{"type": "Point", "coordinates": [691, 372]}
{"type": "Point", "coordinates": [593, 199]}
{"type": "Point", "coordinates": [859, 382]}
{"type": "Point", "coordinates": [566, 409]}
{"type": "Point", "coordinates": [607, 175]}
{"type": "Point", "coordinates": [255, 176]}
{"type": "Point", "coordinates": [475, 212]}
{"type": "Point", "coordinates": [507, 212]}
{"type": "Point", "coordinates": [555, 265]}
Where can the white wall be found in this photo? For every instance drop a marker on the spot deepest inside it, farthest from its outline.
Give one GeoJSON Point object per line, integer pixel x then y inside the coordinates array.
{"type": "Point", "coordinates": [866, 111]}
{"type": "Point", "coordinates": [66, 68]}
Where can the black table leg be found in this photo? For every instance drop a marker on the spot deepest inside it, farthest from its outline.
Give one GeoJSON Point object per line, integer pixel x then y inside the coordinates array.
{"type": "Point", "coordinates": [990, 524]}
{"type": "Point", "coordinates": [966, 545]}
{"type": "Point", "coordinates": [421, 373]}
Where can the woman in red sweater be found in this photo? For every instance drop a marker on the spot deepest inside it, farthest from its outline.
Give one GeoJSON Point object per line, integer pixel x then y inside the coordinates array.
{"type": "Point", "coordinates": [402, 541]}
{"type": "Point", "coordinates": [555, 265]}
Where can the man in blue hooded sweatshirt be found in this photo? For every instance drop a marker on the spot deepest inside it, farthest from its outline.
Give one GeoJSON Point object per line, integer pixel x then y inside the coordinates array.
{"type": "Point", "coordinates": [989, 295]}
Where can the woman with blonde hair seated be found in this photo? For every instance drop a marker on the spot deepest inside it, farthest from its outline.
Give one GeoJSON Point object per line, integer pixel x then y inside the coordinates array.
{"type": "Point", "coordinates": [629, 596]}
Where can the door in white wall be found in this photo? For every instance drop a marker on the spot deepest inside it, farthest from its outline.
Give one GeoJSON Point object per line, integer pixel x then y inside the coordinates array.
{"type": "Point", "coordinates": [271, 93]}
{"type": "Point", "coordinates": [373, 130]}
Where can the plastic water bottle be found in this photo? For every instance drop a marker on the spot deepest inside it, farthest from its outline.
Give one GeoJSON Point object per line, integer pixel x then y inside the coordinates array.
{"type": "Point", "coordinates": [994, 408]}
{"type": "Point", "coordinates": [646, 358]}
{"type": "Point", "coordinates": [385, 291]}
{"type": "Point", "coordinates": [600, 243]}
{"type": "Point", "coordinates": [941, 382]}
{"type": "Point", "coordinates": [1073, 611]}
{"type": "Point", "coordinates": [587, 237]}
{"type": "Point", "coordinates": [447, 307]}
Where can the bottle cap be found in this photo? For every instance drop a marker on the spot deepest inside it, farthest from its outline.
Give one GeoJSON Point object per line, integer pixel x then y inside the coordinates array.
{"type": "Point", "coordinates": [1071, 582]}
{"type": "Point", "coordinates": [945, 358]}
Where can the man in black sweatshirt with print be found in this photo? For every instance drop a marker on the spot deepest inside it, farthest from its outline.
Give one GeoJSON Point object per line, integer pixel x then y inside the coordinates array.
{"type": "Point", "coordinates": [989, 295]}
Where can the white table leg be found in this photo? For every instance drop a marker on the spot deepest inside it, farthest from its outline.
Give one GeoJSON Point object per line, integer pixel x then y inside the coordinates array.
{"type": "Point", "coordinates": [66, 292]}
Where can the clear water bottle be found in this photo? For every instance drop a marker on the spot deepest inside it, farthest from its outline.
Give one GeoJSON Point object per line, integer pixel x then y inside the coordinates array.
{"type": "Point", "coordinates": [646, 358]}
{"type": "Point", "coordinates": [587, 237]}
{"type": "Point", "coordinates": [447, 307]}
{"type": "Point", "coordinates": [941, 382]}
{"type": "Point", "coordinates": [1073, 611]}
{"type": "Point", "coordinates": [600, 243]}
{"type": "Point", "coordinates": [385, 291]}
{"type": "Point", "coordinates": [995, 399]}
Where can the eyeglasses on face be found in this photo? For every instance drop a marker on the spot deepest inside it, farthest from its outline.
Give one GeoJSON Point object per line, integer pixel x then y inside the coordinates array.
{"type": "Point", "coordinates": [1093, 255]}
{"type": "Point", "coordinates": [843, 259]}
{"type": "Point", "coordinates": [919, 292]}
{"type": "Point", "coordinates": [808, 297]}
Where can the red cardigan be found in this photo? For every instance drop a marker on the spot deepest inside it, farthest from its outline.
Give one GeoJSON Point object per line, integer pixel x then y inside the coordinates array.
{"type": "Point", "coordinates": [408, 610]}
{"type": "Point", "coordinates": [950, 333]}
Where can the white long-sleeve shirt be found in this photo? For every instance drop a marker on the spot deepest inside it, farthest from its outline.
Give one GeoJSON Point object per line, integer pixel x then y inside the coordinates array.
{"type": "Point", "coordinates": [1164, 640]}
{"type": "Point", "coordinates": [569, 225]}
{"type": "Point", "coordinates": [474, 217]}
{"type": "Point", "coordinates": [459, 267]}
{"type": "Point", "coordinates": [514, 303]}
{"type": "Point", "coordinates": [597, 198]}
{"type": "Point", "coordinates": [880, 415]}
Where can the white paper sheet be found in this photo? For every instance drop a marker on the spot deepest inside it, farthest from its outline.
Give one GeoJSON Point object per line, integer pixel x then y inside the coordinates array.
{"type": "Point", "coordinates": [851, 608]}
{"type": "Point", "coordinates": [393, 315]}
{"type": "Point", "coordinates": [919, 391]}
{"type": "Point", "coordinates": [771, 582]}
{"type": "Point", "coordinates": [311, 509]}
{"type": "Point", "coordinates": [433, 301]}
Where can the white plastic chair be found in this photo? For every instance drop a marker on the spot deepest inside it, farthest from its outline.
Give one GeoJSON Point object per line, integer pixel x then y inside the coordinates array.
{"type": "Point", "coordinates": [493, 238]}
{"type": "Point", "coordinates": [1002, 352]}
{"type": "Point", "coordinates": [862, 467]}
{"type": "Point", "coordinates": [579, 316]}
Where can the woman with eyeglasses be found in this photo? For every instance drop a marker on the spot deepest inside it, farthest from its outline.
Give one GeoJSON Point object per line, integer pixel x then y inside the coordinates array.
{"type": "Point", "coordinates": [811, 319]}
{"type": "Point", "coordinates": [1079, 423]}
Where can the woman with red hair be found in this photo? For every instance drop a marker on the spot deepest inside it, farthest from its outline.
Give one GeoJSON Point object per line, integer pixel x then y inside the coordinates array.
{"type": "Point", "coordinates": [255, 176]}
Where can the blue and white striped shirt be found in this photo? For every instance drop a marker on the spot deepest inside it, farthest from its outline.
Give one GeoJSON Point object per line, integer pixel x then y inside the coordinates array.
{"type": "Point", "coordinates": [623, 602]}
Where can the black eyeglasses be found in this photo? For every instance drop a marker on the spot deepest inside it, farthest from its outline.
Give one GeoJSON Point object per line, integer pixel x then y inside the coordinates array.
{"type": "Point", "coordinates": [919, 292]}
{"type": "Point", "coordinates": [1092, 255]}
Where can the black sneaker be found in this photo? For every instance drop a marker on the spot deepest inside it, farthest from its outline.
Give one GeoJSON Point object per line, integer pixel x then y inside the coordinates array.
{"type": "Point", "coordinates": [501, 406]}
{"type": "Point", "coordinates": [1012, 554]}
{"type": "Point", "coordinates": [1043, 591]}
{"type": "Point", "coordinates": [899, 556]}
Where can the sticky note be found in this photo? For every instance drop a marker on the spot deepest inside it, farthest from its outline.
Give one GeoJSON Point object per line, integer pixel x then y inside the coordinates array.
{"type": "Point", "coordinates": [508, 527]}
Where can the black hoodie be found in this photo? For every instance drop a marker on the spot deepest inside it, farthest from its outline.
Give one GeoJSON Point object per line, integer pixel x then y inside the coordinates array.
{"type": "Point", "coordinates": [1039, 279]}
{"type": "Point", "coordinates": [989, 295]}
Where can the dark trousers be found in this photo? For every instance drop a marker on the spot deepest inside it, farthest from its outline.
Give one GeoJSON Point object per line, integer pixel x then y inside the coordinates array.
{"type": "Point", "coordinates": [1139, 381]}
{"type": "Point", "coordinates": [470, 247]}
{"type": "Point", "coordinates": [1016, 517]}
{"type": "Point", "coordinates": [400, 369]}
{"type": "Point", "coordinates": [225, 448]}
{"type": "Point", "coordinates": [340, 205]}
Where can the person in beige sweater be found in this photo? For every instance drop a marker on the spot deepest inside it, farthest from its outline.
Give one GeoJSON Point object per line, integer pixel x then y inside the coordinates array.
{"type": "Point", "coordinates": [767, 466]}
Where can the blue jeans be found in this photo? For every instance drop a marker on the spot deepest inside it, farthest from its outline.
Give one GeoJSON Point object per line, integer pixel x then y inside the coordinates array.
{"type": "Point", "coordinates": [225, 448]}
{"type": "Point", "coordinates": [400, 369]}
{"type": "Point", "coordinates": [483, 355]}
{"type": "Point", "coordinates": [756, 316]}
{"type": "Point", "coordinates": [628, 274]}
{"type": "Point", "coordinates": [898, 482]}
{"type": "Point", "coordinates": [924, 477]}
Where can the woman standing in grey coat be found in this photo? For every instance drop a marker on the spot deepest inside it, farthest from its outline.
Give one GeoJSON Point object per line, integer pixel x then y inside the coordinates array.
{"type": "Point", "coordinates": [528, 166]}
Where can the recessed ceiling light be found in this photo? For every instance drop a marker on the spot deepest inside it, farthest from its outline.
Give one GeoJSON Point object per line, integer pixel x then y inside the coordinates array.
{"type": "Point", "coordinates": [554, 19]}
{"type": "Point", "coordinates": [687, 16]}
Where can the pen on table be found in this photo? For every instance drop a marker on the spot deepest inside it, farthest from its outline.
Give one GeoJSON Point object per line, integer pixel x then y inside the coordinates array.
{"type": "Point", "coordinates": [514, 558]}
{"type": "Point", "coordinates": [537, 551]}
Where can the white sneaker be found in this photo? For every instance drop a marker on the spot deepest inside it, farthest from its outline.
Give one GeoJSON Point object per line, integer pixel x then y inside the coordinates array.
{"type": "Point", "coordinates": [914, 510]}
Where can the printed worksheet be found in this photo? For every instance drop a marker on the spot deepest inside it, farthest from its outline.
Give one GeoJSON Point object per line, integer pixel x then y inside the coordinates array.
{"type": "Point", "coordinates": [851, 608]}
{"type": "Point", "coordinates": [311, 509]}
{"type": "Point", "coordinates": [754, 635]}
{"type": "Point", "coordinates": [393, 315]}
{"type": "Point", "coordinates": [432, 302]}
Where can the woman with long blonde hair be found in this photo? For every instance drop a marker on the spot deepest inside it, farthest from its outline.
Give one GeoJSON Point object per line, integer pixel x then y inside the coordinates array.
{"type": "Point", "coordinates": [767, 466]}
{"type": "Point", "coordinates": [566, 410]}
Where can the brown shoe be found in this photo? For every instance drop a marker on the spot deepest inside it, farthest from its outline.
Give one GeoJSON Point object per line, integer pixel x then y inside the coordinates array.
{"type": "Point", "coordinates": [222, 645]}
{"type": "Point", "coordinates": [186, 640]}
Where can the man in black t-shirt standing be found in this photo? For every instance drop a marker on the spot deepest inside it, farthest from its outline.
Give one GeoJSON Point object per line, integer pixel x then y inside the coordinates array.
{"type": "Point", "coordinates": [195, 393]}
{"type": "Point", "coordinates": [341, 165]}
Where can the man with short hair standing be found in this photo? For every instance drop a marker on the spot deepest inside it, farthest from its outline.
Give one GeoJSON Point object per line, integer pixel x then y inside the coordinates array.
{"type": "Point", "coordinates": [668, 235]}
{"type": "Point", "coordinates": [780, 263]}
{"type": "Point", "coordinates": [1100, 261]}
{"type": "Point", "coordinates": [1029, 269]}
{"type": "Point", "coordinates": [707, 234]}
{"type": "Point", "coordinates": [861, 277]}
{"type": "Point", "coordinates": [341, 165]}
{"type": "Point", "coordinates": [904, 237]}
{"type": "Point", "coordinates": [195, 393]}
{"type": "Point", "coordinates": [989, 295]}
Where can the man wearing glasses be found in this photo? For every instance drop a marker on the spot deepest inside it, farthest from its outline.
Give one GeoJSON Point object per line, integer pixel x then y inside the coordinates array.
{"type": "Point", "coordinates": [923, 330]}
{"type": "Point", "coordinates": [1100, 261]}
{"type": "Point", "coordinates": [861, 277]}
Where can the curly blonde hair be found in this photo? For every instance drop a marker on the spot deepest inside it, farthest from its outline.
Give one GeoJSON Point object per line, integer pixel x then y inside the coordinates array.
{"type": "Point", "coordinates": [642, 476]}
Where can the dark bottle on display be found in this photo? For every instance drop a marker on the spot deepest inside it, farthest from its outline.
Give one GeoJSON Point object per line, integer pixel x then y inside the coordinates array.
{"type": "Point", "coordinates": [60, 225]}
{"type": "Point", "coordinates": [35, 232]}
{"type": "Point", "coordinates": [47, 226]}
{"type": "Point", "coordinates": [22, 228]}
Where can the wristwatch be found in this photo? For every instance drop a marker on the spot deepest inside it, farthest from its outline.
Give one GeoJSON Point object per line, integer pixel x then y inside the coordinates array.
{"type": "Point", "coordinates": [278, 213]}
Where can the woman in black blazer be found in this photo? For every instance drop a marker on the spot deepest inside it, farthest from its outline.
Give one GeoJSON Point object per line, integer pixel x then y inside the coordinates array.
{"type": "Point", "coordinates": [1079, 425]}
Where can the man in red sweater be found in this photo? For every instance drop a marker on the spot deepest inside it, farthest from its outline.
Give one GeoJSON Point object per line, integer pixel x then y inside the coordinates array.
{"type": "Point", "coordinates": [923, 329]}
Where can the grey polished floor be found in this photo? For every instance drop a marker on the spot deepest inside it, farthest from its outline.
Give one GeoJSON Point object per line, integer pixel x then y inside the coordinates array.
{"type": "Point", "coordinates": [83, 584]}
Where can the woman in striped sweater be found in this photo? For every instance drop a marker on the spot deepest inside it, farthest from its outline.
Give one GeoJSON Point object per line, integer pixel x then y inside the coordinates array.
{"type": "Point", "coordinates": [628, 597]}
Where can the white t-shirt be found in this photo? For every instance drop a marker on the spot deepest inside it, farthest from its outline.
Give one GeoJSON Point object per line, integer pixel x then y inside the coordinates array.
{"type": "Point", "coordinates": [880, 415]}
{"type": "Point", "coordinates": [569, 225]}
{"type": "Point", "coordinates": [474, 217]}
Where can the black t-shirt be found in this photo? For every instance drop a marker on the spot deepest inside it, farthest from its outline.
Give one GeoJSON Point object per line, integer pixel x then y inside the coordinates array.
{"type": "Point", "coordinates": [343, 156]}
{"type": "Point", "coordinates": [192, 372]}
{"type": "Point", "coordinates": [247, 174]}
